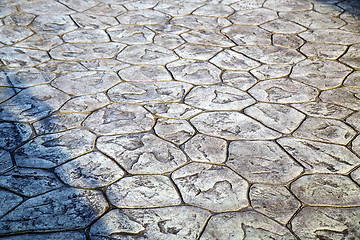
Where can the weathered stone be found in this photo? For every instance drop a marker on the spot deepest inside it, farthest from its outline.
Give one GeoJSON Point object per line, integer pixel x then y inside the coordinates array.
{"type": "Point", "coordinates": [82, 83]}
{"type": "Point", "coordinates": [13, 34]}
{"type": "Point", "coordinates": [329, 190]}
{"type": "Point", "coordinates": [356, 145]}
{"type": "Point", "coordinates": [353, 80]}
{"type": "Point", "coordinates": [90, 21]}
{"type": "Point", "coordinates": [130, 34]}
{"type": "Point", "coordinates": [141, 4]}
{"type": "Point", "coordinates": [62, 209]}
{"type": "Point", "coordinates": [214, 10]}
{"type": "Point", "coordinates": [61, 66]}
{"type": "Point", "coordinates": [200, 22]}
{"type": "Point", "coordinates": [167, 28]}
{"type": "Point", "coordinates": [196, 51]}
{"type": "Point", "coordinates": [91, 170]}
{"type": "Point", "coordinates": [159, 223]}
{"type": "Point", "coordinates": [323, 51]}
{"type": "Point", "coordinates": [104, 65]}
{"type": "Point", "coordinates": [177, 8]}
{"type": "Point", "coordinates": [328, 130]}
{"type": "Point", "coordinates": [195, 72]}
{"type": "Point", "coordinates": [286, 5]}
{"type": "Point", "coordinates": [143, 17]}
{"type": "Point", "coordinates": [351, 57]}
{"type": "Point", "coordinates": [274, 201]}
{"type": "Point", "coordinates": [143, 191]}
{"type": "Point", "coordinates": [355, 175]}
{"type": "Point", "coordinates": [247, 4]}
{"type": "Point", "coordinates": [212, 187]}
{"type": "Point", "coordinates": [320, 109]}
{"type": "Point", "coordinates": [173, 130]}
{"type": "Point", "coordinates": [283, 26]}
{"type": "Point", "coordinates": [85, 103]}
{"type": "Point", "coordinates": [41, 42]}
{"type": "Point", "coordinates": [242, 225]}
{"type": "Point", "coordinates": [6, 10]}
{"type": "Point", "coordinates": [313, 20]}
{"type": "Point", "coordinates": [352, 27]}
{"type": "Point", "coordinates": [232, 126]}
{"type": "Point", "coordinates": [53, 24]}
{"type": "Point", "coordinates": [172, 110]}
{"type": "Point", "coordinates": [240, 80]}
{"type": "Point", "coordinates": [21, 57]}
{"type": "Point", "coordinates": [317, 157]}
{"type": "Point", "coordinates": [5, 161]}
{"type": "Point", "coordinates": [328, 7]}
{"type": "Point", "coordinates": [24, 77]}
{"type": "Point", "coordinates": [107, 9]}
{"type": "Point", "coordinates": [287, 40]}
{"type": "Point", "coordinates": [79, 6]}
{"type": "Point", "coordinates": [8, 201]}
{"type": "Point", "coordinates": [142, 153]}
{"type": "Point", "coordinates": [208, 37]}
{"type": "Point", "coordinates": [42, 7]}
{"type": "Point", "coordinates": [19, 18]}
{"type": "Point", "coordinates": [253, 17]}
{"type": "Point", "coordinates": [145, 73]}
{"type": "Point", "coordinates": [279, 117]}
{"type": "Point", "coordinates": [50, 150]}
{"type": "Point", "coordinates": [218, 97]}
{"type": "Point", "coordinates": [247, 35]}
{"type": "Point", "coordinates": [271, 71]}
{"type": "Point", "coordinates": [119, 119]}
{"type": "Point", "coordinates": [169, 41]}
{"type": "Point", "coordinates": [327, 223]}
{"type": "Point", "coordinates": [74, 235]}
{"type": "Point", "coordinates": [59, 122]}
{"type": "Point", "coordinates": [86, 36]}
{"type": "Point", "coordinates": [335, 36]}
{"type": "Point", "coordinates": [231, 60]}
{"type": "Point", "coordinates": [13, 134]}
{"type": "Point", "coordinates": [354, 120]}
{"type": "Point", "coordinates": [344, 96]}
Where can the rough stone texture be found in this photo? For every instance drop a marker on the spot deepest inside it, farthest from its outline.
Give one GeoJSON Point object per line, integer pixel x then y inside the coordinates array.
{"type": "Point", "coordinates": [271, 71]}
{"type": "Point", "coordinates": [90, 21]}
{"type": "Point", "coordinates": [313, 20]}
{"type": "Point", "coordinates": [173, 110]}
{"type": "Point", "coordinates": [40, 42]}
{"type": "Point", "coordinates": [24, 77]}
{"type": "Point", "coordinates": [8, 201]}
{"type": "Point", "coordinates": [285, 5]}
{"type": "Point", "coordinates": [104, 64]}
{"type": "Point", "coordinates": [13, 34]}
{"type": "Point", "coordinates": [351, 57]}
{"type": "Point", "coordinates": [53, 24]}
{"type": "Point", "coordinates": [61, 66]}
{"type": "Point", "coordinates": [74, 235]}
{"type": "Point", "coordinates": [249, 35]}
{"type": "Point", "coordinates": [253, 17]}
{"type": "Point", "coordinates": [335, 36]}
{"type": "Point", "coordinates": [86, 36]}
{"type": "Point", "coordinates": [241, 80]}
{"type": "Point", "coordinates": [20, 57]}
{"type": "Point", "coordinates": [168, 41]}
{"type": "Point", "coordinates": [59, 122]}
{"type": "Point", "coordinates": [12, 134]}
{"type": "Point", "coordinates": [320, 109]}
{"type": "Point", "coordinates": [344, 96]}
{"type": "Point", "coordinates": [5, 161]}
{"type": "Point", "coordinates": [145, 73]}
{"type": "Point", "coordinates": [208, 37]}
{"type": "Point", "coordinates": [196, 51]}
{"type": "Point", "coordinates": [283, 26]}
{"type": "Point", "coordinates": [231, 60]}
{"type": "Point", "coordinates": [320, 50]}
{"type": "Point", "coordinates": [85, 103]}
{"type": "Point", "coordinates": [173, 130]}
{"type": "Point", "coordinates": [286, 40]}
{"type": "Point", "coordinates": [133, 35]}
{"type": "Point", "coordinates": [200, 22]}
{"type": "Point", "coordinates": [353, 80]}
{"type": "Point", "coordinates": [143, 17]}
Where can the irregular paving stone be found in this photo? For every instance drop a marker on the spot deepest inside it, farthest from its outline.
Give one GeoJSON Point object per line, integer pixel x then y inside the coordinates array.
{"type": "Point", "coordinates": [6, 10]}
{"type": "Point", "coordinates": [159, 223]}
{"type": "Point", "coordinates": [13, 34]}
{"type": "Point", "coordinates": [82, 83]}
{"type": "Point", "coordinates": [147, 54]}
{"type": "Point", "coordinates": [177, 8]}
{"type": "Point", "coordinates": [279, 117]}
{"type": "Point", "coordinates": [196, 51]}
{"type": "Point", "coordinates": [353, 120]}
{"type": "Point", "coordinates": [119, 119]}
{"type": "Point", "coordinates": [283, 26]}
{"type": "Point", "coordinates": [200, 22]}
{"type": "Point", "coordinates": [231, 60]}
{"type": "Point", "coordinates": [214, 10]}
{"type": "Point", "coordinates": [173, 110]}
{"type": "Point", "coordinates": [273, 201]}
{"type": "Point", "coordinates": [285, 5]}
{"type": "Point", "coordinates": [24, 77]}
{"type": "Point", "coordinates": [86, 36]}
{"type": "Point", "coordinates": [41, 42]}
{"type": "Point", "coordinates": [29, 182]}
{"type": "Point", "coordinates": [317, 157]}
{"type": "Point", "coordinates": [335, 36]}
{"type": "Point", "coordinates": [208, 37]}
{"type": "Point", "coordinates": [142, 4]}
{"type": "Point", "coordinates": [356, 175]}
{"type": "Point", "coordinates": [50, 150]}
{"type": "Point", "coordinates": [231, 126]}
{"type": "Point", "coordinates": [85, 103]}
{"type": "Point", "coordinates": [148, 92]}
{"type": "Point", "coordinates": [241, 80]}
{"type": "Point", "coordinates": [143, 191]}
{"type": "Point", "coordinates": [218, 97]}
{"type": "Point", "coordinates": [19, 18]}
{"type": "Point", "coordinates": [104, 65]}
{"type": "Point", "coordinates": [79, 6]}
{"type": "Point", "coordinates": [142, 153]}
{"type": "Point", "coordinates": [344, 96]}
{"type": "Point", "coordinates": [253, 17]}
{"type": "Point", "coordinates": [59, 122]}
{"type": "Point", "coordinates": [271, 71]}
{"type": "Point", "coordinates": [247, 4]}
{"type": "Point", "coordinates": [168, 28]}
{"type": "Point", "coordinates": [328, 130]}
{"type": "Point", "coordinates": [202, 148]}
{"type": "Point", "coordinates": [271, 54]}
{"type": "Point", "coordinates": [352, 27]}
{"type": "Point", "coordinates": [323, 74]}
{"type": "Point", "coordinates": [313, 20]}
{"type": "Point", "coordinates": [74, 235]}
{"type": "Point", "coordinates": [91, 170]}
{"type": "Point", "coordinates": [248, 35]}
{"type": "Point", "coordinates": [330, 190]}
{"type": "Point", "coordinates": [262, 161]}
{"type": "Point", "coordinates": [328, 7]}
{"type": "Point", "coordinates": [13, 134]}
{"type": "Point", "coordinates": [143, 17]}
{"type": "Point", "coordinates": [287, 40]}
{"type": "Point", "coordinates": [145, 73]}
{"type": "Point", "coordinates": [90, 21]}
{"type": "Point", "coordinates": [61, 66]}
{"type": "Point", "coordinates": [195, 72]}
{"type": "Point", "coordinates": [53, 24]}
{"type": "Point", "coordinates": [86, 51]}
{"type": "Point", "coordinates": [353, 80]}
{"type": "Point", "coordinates": [42, 7]}
{"type": "Point", "coordinates": [242, 225]}
{"type": "Point", "coordinates": [7, 92]}
{"type": "Point", "coordinates": [173, 130]}
{"type": "Point", "coordinates": [321, 50]}
{"type": "Point", "coordinates": [327, 223]}
{"type": "Point", "coordinates": [106, 9]}
{"type": "Point", "coordinates": [5, 161]}
{"type": "Point", "coordinates": [351, 57]}
{"type": "Point", "coordinates": [21, 57]}
{"type": "Point", "coordinates": [130, 34]}
{"type": "Point", "coordinates": [62, 209]}
{"type": "Point", "coordinates": [213, 187]}
{"type": "Point", "coordinates": [32, 103]}
{"type": "Point", "coordinates": [8, 201]}
{"type": "Point", "coordinates": [168, 41]}
{"type": "Point", "coordinates": [320, 109]}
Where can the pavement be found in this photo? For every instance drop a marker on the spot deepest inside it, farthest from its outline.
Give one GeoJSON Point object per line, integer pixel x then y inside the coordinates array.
{"type": "Point", "coordinates": [195, 119]}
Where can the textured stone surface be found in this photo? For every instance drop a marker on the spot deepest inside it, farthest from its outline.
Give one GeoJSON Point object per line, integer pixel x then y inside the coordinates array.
{"type": "Point", "coordinates": [232, 60]}
{"type": "Point", "coordinates": [85, 103]}
{"type": "Point", "coordinates": [344, 96]}
{"type": "Point", "coordinates": [8, 201]}
{"type": "Point", "coordinates": [320, 50]}
{"type": "Point", "coordinates": [53, 24]}
{"type": "Point", "coordinates": [351, 57]}
{"type": "Point", "coordinates": [208, 37]}
{"type": "Point", "coordinates": [13, 34]}
{"type": "Point", "coordinates": [131, 34]}
{"type": "Point", "coordinates": [86, 36]}
{"type": "Point", "coordinates": [271, 71]}
{"type": "Point", "coordinates": [75, 235]}
{"type": "Point", "coordinates": [241, 80]}
{"type": "Point", "coordinates": [247, 34]}
{"type": "Point", "coordinates": [196, 51]}
{"type": "Point", "coordinates": [40, 42]}
{"type": "Point", "coordinates": [20, 57]}
{"type": "Point", "coordinates": [320, 109]}
{"type": "Point", "coordinates": [145, 73]}
{"type": "Point", "coordinates": [25, 77]}
{"type": "Point", "coordinates": [59, 122]}
{"type": "Point", "coordinates": [175, 131]}
{"type": "Point", "coordinates": [12, 134]}
{"type": "Point", "coordinates": [353, 80]}
{"type": "Point", "coordinates": [253, 17]}
{"type": "Point", "coordinates": [173, 110]}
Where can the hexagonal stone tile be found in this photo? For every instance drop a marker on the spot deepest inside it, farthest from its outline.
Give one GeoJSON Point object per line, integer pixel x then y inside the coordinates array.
{"type": "Point", "coordinates": [344, 96]}
{"type": "Point", "coordinates": [351, 57]}
{"type": "Point", "coordinates": [327, 223]}
{"type": "Point", "coordinates": [172, 110]}
{"type": "Point", "coordinates": [143, 17]}
{"type": "Point", "coordinates": [21, 57]}
{"type": "Point", "coordinates": [285, 5]}
{"type": "Point", "coordinates": [24, 77]}
{"type": "Point", "coordinates": [240, 80]}
{"type": "Point", "coordinates": [148, 92]}
{"type": "Point", "coordinates": [247, 35]}
{"type": "Point", "coordinates": [271, 54]}
{"type": "Point", "coordinates": [247, 4]}
{"type": "Point", "coordinates": [8, 201]}
{"type": "Point", "coordinates": [82, 83]}
{"type": "Point", "coordinates": [353, 80]}
{"type": "Point", "coordinates": [173, 130]}
{"type": "Point", "coordinates": [130, 34]}
{"type": "Point", "coordinates": [147, 54]}
{"type": "Point", "coordinates": [91, 21]}
{"type": "Point", "coordinates": [85, 103]}
{"type": "Point", "coordinates": [208, 37]}
{"type": "Point", "coordinates": [271, 71]}
{"type": "Point", "coordinates": [273, 201]}
{"type": "Point", "coordinates": [143, 191]}
{"type": "Point", "coordinates": [50, 150]}
{"type": "Point", "coordinates": [145, 73]}
{"type": "Point", "coordinates": [159, 223]}
{"type": "Point", "coordinates": [41, 42]}
{"type": "Point", "coordinates": [91, 170]}
{"type": "Point", "coordinates": [253, 225]}
{"type": "Point", "coordinates": [214, 10]}
{"type": "Point", "coordinates": [232, 126]}
{"type": "Point", "coordinates": [279, 117]}
{"type": "Point", "coordinates": [53, 24]}
{"type": "Point", "coordinates": [200, 22]}
{"type": "Point", "coordinates": [61, 209]}
{"type": "Point", "coordinates": [196, 51]}
{"type": "Point", "coordinates": [253, 17]}
{"type": "Point", "coordinates": [142, 153]}
{"type": "Point", "coordinates": [13, 134]}
{"type": "Point", "coordinates": [177, 8]}
{"type": "Point", "coordinates": [119, 119]}
{"type": "Point", "coordinates": [283, 90]}
{"type": "Point", "coordinates": [43, 7]}
{"type": "Point", "coordinates": [61, 66]}
{"type": "Point", "coordinates": [104, 65]}
{"type": "Point", "coordinates": [317, 157]}
{"type": "Point", "coordinates": [79, 6]}
{"type": "Point", "coordinates": [218, 97]}
{"type": "Point", "coordinates": [321, 50]}
{"type": "Point", "coordinates": [18, 18]}
{"type": "Point", "coordinates": [320, 109]}
{"type": "Point", "coordinates": [313, 20]}
{"type": "Point", "coordinates": [329, 190]}
{"type": "Point", "coordinates": [86, 36]}
{"type": "Point", "coordinates": [262, 161]}
{"type": "Point", "coordinates": [323, 74]}
{"type": "Point", "coordinates": [86, 51]}
{"type": "Point", "coordinates": [328, 130]}
{"type": "Point", "coordinates": [335, 36]}
{"type": "Point", "coordinates": [13, 34]}
{"type": "Point", "coordinates": [287, 40]}
{"type": "Point", "coordinates": [202, 148]}
{"type": "Point", "coordinates": [169, 41]}
{"type": "Point", "coordinates": [74, 235]}
{"type": "Point", "coordinates": [283, 26]}
{"type": "Point", "coordinates": [231, 60]}
{"type": "Point", "coordinates": [212, 187]}
{"type": "Point", "coordinates": [32, 104]}
{"type": "Point", "coordinates": [29, 182]}
{"type": "Point", "coordinates": [5, 161]}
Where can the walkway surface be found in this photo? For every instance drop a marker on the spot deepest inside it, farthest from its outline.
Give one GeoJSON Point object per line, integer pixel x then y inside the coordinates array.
{"type": "Point", "coordinates": [178, 119]}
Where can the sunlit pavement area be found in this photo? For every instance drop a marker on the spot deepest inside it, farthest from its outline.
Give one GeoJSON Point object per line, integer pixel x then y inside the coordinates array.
{"type": "Point", "coordinates": [173, 119]}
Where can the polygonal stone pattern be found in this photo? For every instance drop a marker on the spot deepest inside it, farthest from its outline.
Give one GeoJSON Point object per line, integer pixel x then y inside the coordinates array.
{"type": "Point", "coordinates": [173, 130]}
